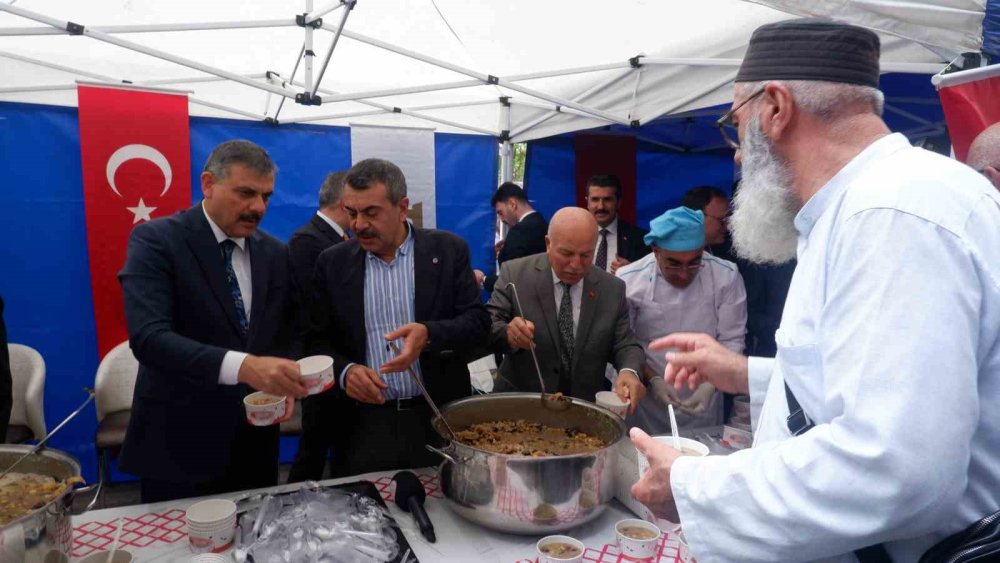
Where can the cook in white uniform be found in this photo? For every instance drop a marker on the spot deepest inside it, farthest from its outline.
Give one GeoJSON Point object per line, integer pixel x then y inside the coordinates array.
{"type": "Point", "coordinates": [890, 337]}
{"type": "Point", "coordinates": [681, 288]}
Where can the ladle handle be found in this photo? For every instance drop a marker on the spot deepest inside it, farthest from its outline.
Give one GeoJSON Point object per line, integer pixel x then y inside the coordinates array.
{"type": "Point", "coordinates": [531, 348]}
{"type": "Point", "coordinates": [427, 397]}
{"type": "Point", "coordinates": [41, 444]}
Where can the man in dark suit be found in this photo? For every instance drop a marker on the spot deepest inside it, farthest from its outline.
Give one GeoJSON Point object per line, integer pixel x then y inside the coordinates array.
{"type": "Point", "coordinates": [394, 282]}
{"type": "Point", "coordinates": [527, 227]}
{"type": "Point", "coordinates": [323, 413]}
{"type": "Point", "coordinates": [210, 310]}
{"type": "Point", "coordinates": [6, 393]}
{"type": "Point", "coordinates": [618, 242]}
{"type": "Point", "coordinates": [575, 315]}
{"type": "Point", "coordinates": [327, 227]}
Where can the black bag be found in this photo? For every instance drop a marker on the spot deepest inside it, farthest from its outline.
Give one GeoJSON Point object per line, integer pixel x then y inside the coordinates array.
{"type": "Point", "coordinates": [978, 543]}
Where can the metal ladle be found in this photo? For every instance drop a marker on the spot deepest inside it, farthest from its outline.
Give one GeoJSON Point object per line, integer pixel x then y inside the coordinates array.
{"type": "Point", "coordinates": [41, 444]}
{"type": "Point", "coordinates": [427, 396]}
{"type": "Point", "coordinates": [551, 402]}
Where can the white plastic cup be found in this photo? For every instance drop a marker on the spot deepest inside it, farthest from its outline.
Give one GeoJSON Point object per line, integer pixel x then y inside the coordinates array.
{"type": "Point", "coordinates": [317, 373]}
{"type": "Point", "coordinates": [120, 556]}
{"type": "Point", "coordinates": [741, 407]}
{"type": "Point", "coordinates": [635, 548]}
{"type": "Point", "coordinates": [264, 414]}
{"type": "Point", "coordinates": [688, 446]}
{"type": "Point", "coordinates": [611, 401]}
{"type": "Point", "coordinates": [211, 525]}
{"type": "Point", "coordinates": [546, 558]}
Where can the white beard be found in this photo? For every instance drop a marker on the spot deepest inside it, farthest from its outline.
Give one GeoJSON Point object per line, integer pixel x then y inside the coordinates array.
{"type": "Point", "coordinates": [764, 208]}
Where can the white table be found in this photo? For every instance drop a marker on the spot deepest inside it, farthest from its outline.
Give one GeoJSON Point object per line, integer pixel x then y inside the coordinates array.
{"type": "Point", "coordinates": [458, 539]}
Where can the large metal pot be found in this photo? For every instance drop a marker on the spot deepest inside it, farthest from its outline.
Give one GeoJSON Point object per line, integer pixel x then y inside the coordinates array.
{"type": "Point", "coordinates": [44, 535]}
{"type": "Point", "coordinates": [528, 495]}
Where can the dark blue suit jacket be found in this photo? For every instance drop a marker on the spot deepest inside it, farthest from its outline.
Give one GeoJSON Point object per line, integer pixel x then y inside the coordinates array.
{"type": "Point", "coordinates": [181, 322]}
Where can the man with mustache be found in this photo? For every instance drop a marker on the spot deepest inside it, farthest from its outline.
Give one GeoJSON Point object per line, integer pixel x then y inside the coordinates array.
{"type": "Point", "coordinates": [394, 283]}
{"type": "Point", "coordinates": [618, 243]}
{"type": "Point", "coordinates": [876, 424]}
{"type": "Point", "coordinates": [575, 316]}
{"type": "Point", "coordinates": [210, 308]}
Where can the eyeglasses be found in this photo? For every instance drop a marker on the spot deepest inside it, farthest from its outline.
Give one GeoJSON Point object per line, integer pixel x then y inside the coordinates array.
{"type": "Point", "coordinates": [690, 268]}
{"type": "Point", "coordinates": [730, 133]}
{"type": "Point", "coordinates": [721, 219]}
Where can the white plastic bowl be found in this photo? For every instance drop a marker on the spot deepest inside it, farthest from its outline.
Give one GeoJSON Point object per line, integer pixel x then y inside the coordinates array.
{"type": "Point", "coordinates": [317, 373]}
{"type": "Point", "coordinates": [637, 548]}
{"type": "Point", "coordinates": [545, 558]}
{"type": "Point", "coordinates": [265, 414]}
{"type": "Point", "coordinates": [611, 401]}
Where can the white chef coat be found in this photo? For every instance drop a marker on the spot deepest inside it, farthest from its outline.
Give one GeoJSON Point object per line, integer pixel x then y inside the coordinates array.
{"type": "Point", "coordinates": [890, 340]}
{"type": "Point", "coordinates": [715, 303]}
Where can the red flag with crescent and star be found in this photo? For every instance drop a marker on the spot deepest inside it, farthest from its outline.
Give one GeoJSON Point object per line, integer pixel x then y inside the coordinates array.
{"type": "Point", "coordinates": [136, 156]}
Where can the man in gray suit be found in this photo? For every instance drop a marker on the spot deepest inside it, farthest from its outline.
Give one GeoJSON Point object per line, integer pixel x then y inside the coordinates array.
{"type": "Point", "coordinates": [581, 313]}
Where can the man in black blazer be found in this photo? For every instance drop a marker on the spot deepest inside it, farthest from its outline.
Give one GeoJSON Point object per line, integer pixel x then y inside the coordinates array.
{"type": "Point", "coordinates": [527, 227]}
{"type": "Point", "coordinates": [618, 242]}
{"type": "Point", "coordinates": [6, 383]}
{"type": "Point", "coordinates": [394, 282]}
{"type": "Point", "coordinates": [210, 310]}
{"type": "Point", "coordinates": [324, 413]}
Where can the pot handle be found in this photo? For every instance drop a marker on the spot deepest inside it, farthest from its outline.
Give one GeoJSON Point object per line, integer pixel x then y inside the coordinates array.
{"type": "Point", "coordinates": [444, 454]}
{"type": "Point", "coordinates": [85, 490]}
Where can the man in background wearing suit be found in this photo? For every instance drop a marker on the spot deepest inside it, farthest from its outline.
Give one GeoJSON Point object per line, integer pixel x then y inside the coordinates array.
{"type": "Point", "coordinates": [322, 413]}
{"type": "Point", "coordinates": [397, 283]}
{"type": "Point", "coordinates": [527, 227]}
{"type": "Point", "coordinates": [618, 242]}
{"type": "Point", "coordinates": [6, 383]}
{"type": "Point", "coordinates": [575, 315]}
{"type": "Point", "coordinates": [210, 310]}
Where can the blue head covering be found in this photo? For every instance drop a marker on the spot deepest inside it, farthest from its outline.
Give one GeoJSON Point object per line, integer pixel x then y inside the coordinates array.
{"type": "Point", "coordinates": [681, 229]}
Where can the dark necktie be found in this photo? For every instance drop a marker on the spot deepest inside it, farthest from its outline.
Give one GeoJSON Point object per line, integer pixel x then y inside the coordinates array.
{"type": "Point", "coordinates": [234, 285]}
{"type": "Point", "coordinates": [601, 260]}
{"type": "Point", "coordinates": [565, 323]}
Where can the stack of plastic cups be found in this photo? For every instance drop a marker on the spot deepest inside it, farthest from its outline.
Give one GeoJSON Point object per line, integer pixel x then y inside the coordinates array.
{"type": "Point", "coordinates": [211, 525]}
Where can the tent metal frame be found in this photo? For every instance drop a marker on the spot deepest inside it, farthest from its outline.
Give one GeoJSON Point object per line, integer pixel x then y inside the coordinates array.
{"type": "Point", "coordinates": [311, 21]}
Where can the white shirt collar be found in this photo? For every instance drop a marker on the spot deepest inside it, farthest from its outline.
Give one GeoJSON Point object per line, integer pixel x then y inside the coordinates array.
{"type": "Point", "coordinates": [525, 215]}
{"type": "Point", "coordinates": [612, 227]}
{"type": "Point", "coordinates": [332, 223]}
{"type": "Point", "coordinates": [806, 218]}
{"type": "Point", "coordinates": [219, 234]}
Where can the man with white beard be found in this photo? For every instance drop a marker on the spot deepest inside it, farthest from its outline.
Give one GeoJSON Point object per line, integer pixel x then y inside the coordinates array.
{"type": "Point", "coordinates": [877, 424]}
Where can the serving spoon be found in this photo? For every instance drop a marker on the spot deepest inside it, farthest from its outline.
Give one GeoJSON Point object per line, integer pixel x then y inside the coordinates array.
{"type": "Point", "coordinates": [41, 444]}
{"type": "Point", "coordinates": [427, 396]}
{"type": "Point", "coordinates": [556, 402]}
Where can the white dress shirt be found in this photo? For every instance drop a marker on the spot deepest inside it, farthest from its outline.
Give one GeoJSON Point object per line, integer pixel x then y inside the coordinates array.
{"type": "Point", "coordinates": [232, 361]}
{"type": "Point", "coordinates": [715, 303]}
{"type": "Point", "coordinates": [612, 242]}
{"type": "Point", "coordinates": [332, 223]}
{"type": "Point", "coordinates": [890, 340]}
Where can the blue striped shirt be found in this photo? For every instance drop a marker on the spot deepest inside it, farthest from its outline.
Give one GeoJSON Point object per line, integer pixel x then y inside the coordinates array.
{"type": "Point", "coordinates": [389, 295]}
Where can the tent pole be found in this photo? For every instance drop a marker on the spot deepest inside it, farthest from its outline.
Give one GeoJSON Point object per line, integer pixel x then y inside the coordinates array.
{"type": "Point", "coordinates": [54, 66]}
{"type": "Point", "coordinates": [383, 108]}
{"type": "Point", "coordinates": [324, 11]}
{"type": "Point", "coordinates": [907, 115]}
{"type": "Point", "coordinates": [308, 53]}
{"type": "Point", "coordinates": [484, 78]}
{"type": "Point", "coordinates": [219, 107]}
{"type": "Point", "coordinates": [506, 152]}
{"type": "Point", "coordinates": [551, 107]}
{"type": "Point", "coordinates": [886, 66]}
{"type": "Point", "coordinates": [581, 97]}
{"type": "Point", "coordinates": [147, 50]}
{"type": "Point", "coordinates": [333, 45]}
{"type": "Point", "coordinates": [152, 28]}
{"type": "Point", "coordinates": [713, 86]}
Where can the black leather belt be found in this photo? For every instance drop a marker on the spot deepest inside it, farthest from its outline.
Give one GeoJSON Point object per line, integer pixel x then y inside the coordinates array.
{"type": "Point", "coordinates": [406, 404]}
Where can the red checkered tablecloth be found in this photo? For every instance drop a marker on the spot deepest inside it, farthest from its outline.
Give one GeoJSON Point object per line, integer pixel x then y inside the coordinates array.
{"type": "Point", "coordinates": [160, 528]}
{"type": "Point", "coordinates": [669, 552]}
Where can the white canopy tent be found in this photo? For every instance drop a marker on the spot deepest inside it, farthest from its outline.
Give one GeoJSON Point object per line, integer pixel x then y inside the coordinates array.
{"type": "Point", "coordinates": [517, 70]}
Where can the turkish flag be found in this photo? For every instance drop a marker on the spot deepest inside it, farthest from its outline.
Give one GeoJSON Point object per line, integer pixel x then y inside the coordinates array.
{"type": "Point", "coordinates": [969, 108]}
{"type": "Point", "coordinates": [136, 156]}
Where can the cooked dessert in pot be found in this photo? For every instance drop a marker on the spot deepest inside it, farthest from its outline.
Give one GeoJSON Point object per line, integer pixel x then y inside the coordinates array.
{"type": "Point", "coordinates": [520, 437]}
